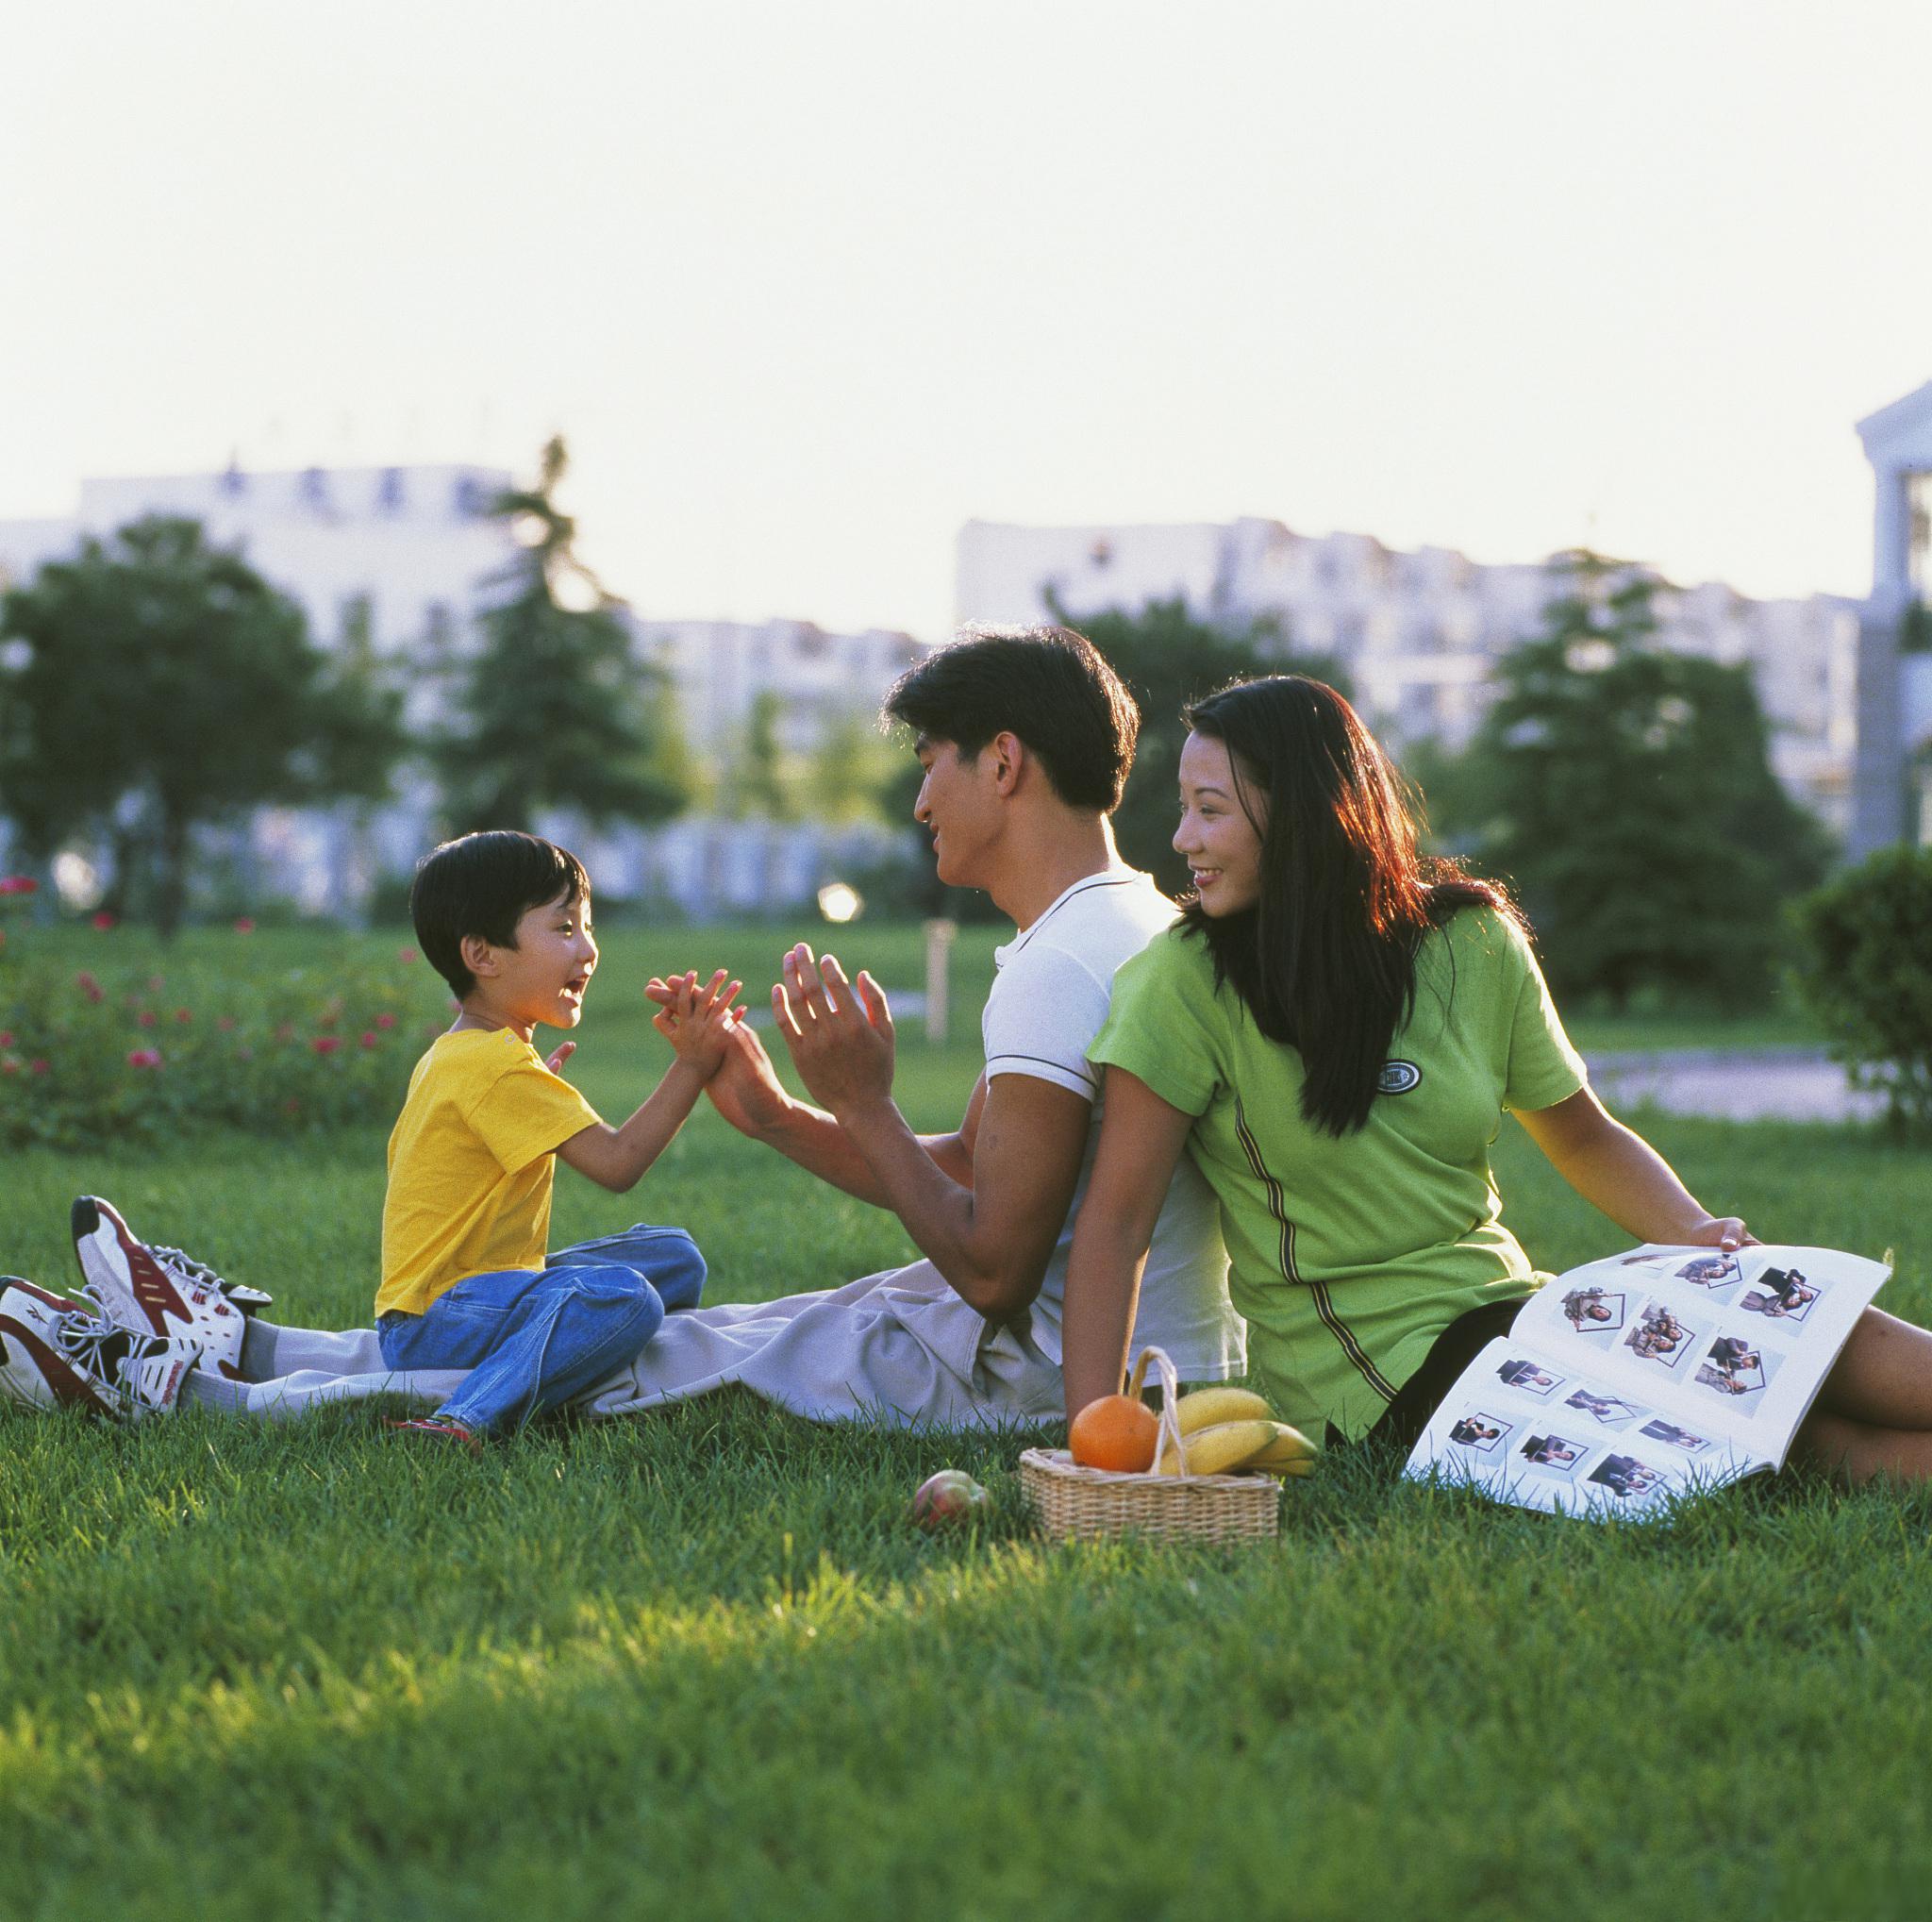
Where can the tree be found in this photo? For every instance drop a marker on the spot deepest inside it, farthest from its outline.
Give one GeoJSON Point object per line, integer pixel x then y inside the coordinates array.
{"type": "Point", "coordinates": [1627, 792]}
{"type": "Point", "coordinates": [1867, 975]}
{"type": "Point", "coordinates": [1169, 657]}
{"type": "Point", "coordinates": [552, 712]}
{"type": "Point", "coordinates": [850, 775]}
{"type": "Point", "coordinates": [154, 683]}
{"type": "Point", "coordinates": [760, 782]}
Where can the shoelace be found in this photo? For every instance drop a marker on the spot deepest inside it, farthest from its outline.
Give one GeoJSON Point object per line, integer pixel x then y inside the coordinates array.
{"type": "Point", "coordinates": [197, 1274]}
{"type": "Point", "coordinates": [186, 1269]}
{"type": "Point", "coordinates": [97, 1348]}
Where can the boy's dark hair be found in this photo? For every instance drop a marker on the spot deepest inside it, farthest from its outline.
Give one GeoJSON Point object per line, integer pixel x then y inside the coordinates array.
{"type": "Point", "coordinates": [1050, 686]}
{"type": "Point", "coordinates": [485, 884]}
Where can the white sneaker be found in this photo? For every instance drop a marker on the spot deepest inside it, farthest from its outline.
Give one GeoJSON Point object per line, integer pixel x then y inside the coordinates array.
{"type": "Point", "coordinates": [150, 1291]}
{"type": "Point", "coordinates": [33, 1371]}
{"type": "Point", "coordinates": [58, 1356]}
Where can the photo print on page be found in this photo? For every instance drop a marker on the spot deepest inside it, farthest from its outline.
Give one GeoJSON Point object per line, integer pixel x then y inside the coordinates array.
{"type": "Point", "coordinates": [1661, 1430]}
{"type": "Point", "coordinates": [1781, 1295]}
{"type": "Point", "coordinates": [1663, 1336]}
{"type": "Point", "coordinates": [1598, 1311]}
{"type": "Point", "coordinates": [1531, 1377]}
{"type": "Point", "coordinates": [1626, 1478]}
{"type": "Point", "coordinates": [1717, 1273]}
{"type": "Point", "coordinates": [1606, 1410]}
{"type": "Point", "coordinates": [1554, 1454]}
{"type": "Point", "coordinates": [1478, 1429]}
{"type": "Point", "coordinates": [1738, 1370]}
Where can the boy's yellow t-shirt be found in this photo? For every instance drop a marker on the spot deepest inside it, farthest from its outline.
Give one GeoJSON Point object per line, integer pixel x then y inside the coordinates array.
{"type": "Point", "coordinates": [471, 1162]}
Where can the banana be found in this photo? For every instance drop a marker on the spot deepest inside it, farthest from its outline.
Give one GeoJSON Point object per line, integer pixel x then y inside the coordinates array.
{"type": "Point", "coordinates": [1286, 1451]}
{"type": "Point", "coordinates": [1207, 1407]}
{"type": "Point", "coordinates": [1222, 1449]}
{"type": "Point", "coordinates": [1298, 1469]}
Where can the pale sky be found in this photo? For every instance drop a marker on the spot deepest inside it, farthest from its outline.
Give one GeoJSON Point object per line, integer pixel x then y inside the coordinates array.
{"type": "Point", "coordinates": [807, 286]}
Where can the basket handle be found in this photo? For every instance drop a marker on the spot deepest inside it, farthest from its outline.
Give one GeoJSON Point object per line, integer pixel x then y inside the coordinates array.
{"type": "Point", "coordinates": [1170, 1430]}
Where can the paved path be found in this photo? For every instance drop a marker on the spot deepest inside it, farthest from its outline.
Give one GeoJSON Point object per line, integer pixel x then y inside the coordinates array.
{"type": "Point", "coordinates": [1781, 1084]}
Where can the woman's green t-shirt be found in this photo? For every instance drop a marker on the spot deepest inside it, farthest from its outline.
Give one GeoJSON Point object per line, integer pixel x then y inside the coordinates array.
{"type": "Point", "coordinates": [1349, 1257]}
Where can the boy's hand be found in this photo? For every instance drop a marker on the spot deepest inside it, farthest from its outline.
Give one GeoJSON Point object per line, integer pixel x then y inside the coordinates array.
{"type": "Point", "coordinates": [697, 1022]}
{"type": "Point", "coordinates": [563, 1054]}
{"type": "Point", "coordinates": [840, 1033]}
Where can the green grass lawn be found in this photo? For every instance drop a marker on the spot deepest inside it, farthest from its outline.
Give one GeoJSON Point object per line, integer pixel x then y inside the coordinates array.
{"type": "Point", "coordinates": [699, 1663]}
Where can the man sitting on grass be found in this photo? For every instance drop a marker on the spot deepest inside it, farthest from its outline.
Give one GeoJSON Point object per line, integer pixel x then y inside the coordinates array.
{"type": "Point", "coordinates": [1025, 737]}
{"type": "Point", "coordinates": [506, 920]}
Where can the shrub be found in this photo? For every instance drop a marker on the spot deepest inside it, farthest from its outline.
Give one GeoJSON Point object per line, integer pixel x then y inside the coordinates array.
{"type": "Point", "coordinates": [114, 1053]}
{"type": "Point", "coordinates": [1868, 974]}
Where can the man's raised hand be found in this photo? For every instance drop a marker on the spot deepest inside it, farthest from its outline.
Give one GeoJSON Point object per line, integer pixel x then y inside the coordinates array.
{"type": "Point", "coordinates": [838, 1033]}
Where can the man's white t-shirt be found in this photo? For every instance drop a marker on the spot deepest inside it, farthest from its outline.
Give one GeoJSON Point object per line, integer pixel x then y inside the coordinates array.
{"type": "Point", "coordinates": [1048, 1001]}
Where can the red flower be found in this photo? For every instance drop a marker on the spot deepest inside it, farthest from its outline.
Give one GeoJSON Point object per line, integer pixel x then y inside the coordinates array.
{"type": "Point", "coordinates": [406, 955]}
{"type": "Point", "coordinates": [7, 1039]}
{"type": "Point", "coordinates": [183, 1017]}
{"type": "Point", "coordinates": [243, 925]}
{"type": "Point", "coordinates": [144, 1057]}
{"type": "Point", "coordinates": [10, 1065]}
{"type": "Point", "coordinates": [146, 1017]}
{"type": "Point", "coordinates": [326, 1044]}
{"type": "Point", "coordinates": [226, 1024]}
{"type": "Point", "coordinates": [39, 1066]}
{"type": "Point", "coordinates": [385, 1021]}
{"type": "Point", "coordinates": [368, 1038]}
{"type": "Point", "coordinates": [103, 921]}
{"type": "Point", "coordinates": [95, 994]}
{"type": "Point", "coordinates": [18, 884]}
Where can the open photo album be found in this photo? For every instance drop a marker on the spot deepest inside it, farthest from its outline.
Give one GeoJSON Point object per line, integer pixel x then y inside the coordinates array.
{"type": "Point", "coordinates": [1648, 1377]}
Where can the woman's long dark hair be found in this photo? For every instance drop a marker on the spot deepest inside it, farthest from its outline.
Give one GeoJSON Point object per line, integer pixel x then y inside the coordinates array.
{"type": "Point", "coordinates": [1325, 959]}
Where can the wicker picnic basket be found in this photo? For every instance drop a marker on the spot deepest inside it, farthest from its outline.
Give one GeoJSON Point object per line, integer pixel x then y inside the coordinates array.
{"type": "Point", "coordinates": [1083, 1504]}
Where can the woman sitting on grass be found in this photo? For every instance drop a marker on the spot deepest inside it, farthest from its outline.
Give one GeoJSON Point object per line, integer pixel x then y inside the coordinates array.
{"type": "Point", "coordinates": [1331, 1032]}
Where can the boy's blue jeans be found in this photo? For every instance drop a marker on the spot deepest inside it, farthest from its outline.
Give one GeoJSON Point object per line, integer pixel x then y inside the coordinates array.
{"type": "Point", "coordinates": [534, 1337]}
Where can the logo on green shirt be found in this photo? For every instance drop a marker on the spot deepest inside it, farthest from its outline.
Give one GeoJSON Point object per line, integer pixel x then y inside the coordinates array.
{"type": "Point", "coordinates": [1397, 1077]}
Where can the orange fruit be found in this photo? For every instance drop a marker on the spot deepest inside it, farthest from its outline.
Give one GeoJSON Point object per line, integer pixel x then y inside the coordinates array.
{"type": "Point", "coordinates": [1116, 1432]}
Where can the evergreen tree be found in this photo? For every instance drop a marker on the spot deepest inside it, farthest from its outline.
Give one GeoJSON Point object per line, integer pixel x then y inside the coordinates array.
{"type": "Point", "coordinates": [1627, 792]}
{"type": "Point", "coordinates": [1168, 658]}
{"type": "Point", "coordinates": [552, 712]}
{"type": "Point", "coordinates": [760, 782]}
{"type": "Point", "coordinates": [152, 684]}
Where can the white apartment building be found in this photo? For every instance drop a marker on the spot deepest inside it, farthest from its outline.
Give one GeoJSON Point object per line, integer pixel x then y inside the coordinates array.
{"type": "Point", "coordinates": [1420, 633]}
{"type": "Point", "coordinates": [718, 670]}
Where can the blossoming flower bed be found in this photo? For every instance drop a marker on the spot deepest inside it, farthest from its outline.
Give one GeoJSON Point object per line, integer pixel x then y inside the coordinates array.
{"type": "Point", "coordinates": [115, 1049]}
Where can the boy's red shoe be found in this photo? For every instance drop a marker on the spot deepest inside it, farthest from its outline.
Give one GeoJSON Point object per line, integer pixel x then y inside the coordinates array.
{"type": "Point", "coordinates": [442, 1430]}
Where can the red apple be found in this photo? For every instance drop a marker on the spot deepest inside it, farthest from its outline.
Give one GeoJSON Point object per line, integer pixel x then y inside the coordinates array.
{"type": "Point", "coordinates": [948, 1498]}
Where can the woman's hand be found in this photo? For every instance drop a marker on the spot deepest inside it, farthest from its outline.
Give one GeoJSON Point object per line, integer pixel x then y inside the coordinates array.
{"type": "Point", "coordinates": [1725, 1232]}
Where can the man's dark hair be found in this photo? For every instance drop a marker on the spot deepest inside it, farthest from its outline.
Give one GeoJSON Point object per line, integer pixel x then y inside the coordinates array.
{"type": "Point", "coordinates": [484, 884]}
{"type": "Point", "coordinates": [1050, 686]}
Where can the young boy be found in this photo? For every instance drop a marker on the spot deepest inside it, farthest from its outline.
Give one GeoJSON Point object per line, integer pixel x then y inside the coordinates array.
{"type": "Point", "coordinates": [506, 920]}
